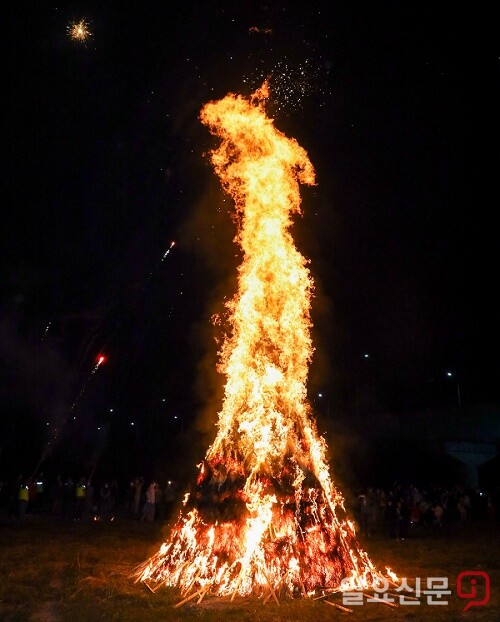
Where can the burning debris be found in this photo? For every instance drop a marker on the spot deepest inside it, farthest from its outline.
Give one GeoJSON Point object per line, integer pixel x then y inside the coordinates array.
{"type": "Point", "coordinates": [265, 517]}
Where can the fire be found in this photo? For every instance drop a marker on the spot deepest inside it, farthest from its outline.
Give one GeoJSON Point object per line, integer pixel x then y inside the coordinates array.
{"type": "Point", "coordinates": [265, 516]}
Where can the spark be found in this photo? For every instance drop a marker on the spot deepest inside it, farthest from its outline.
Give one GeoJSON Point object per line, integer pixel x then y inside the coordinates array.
{"type": "Point", "coordinates": [45, 332]}
{"type": "Point", "coordinates": [152, 273]}
{"type": "Point", "coordinates": [261, 30]}
{"type": "Point", "coordinates": [79, 31]}
{"type": "Point", "coordinates": [291, 84]}
{"type": "Point", "coordinates": [99, 361]}
{"type": "Point", "coordinates": [101, 358]}
{"type": "Point", "coordinates": [167, 251]}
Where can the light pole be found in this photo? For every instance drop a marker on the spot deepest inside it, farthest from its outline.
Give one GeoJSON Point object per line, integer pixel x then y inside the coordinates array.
{"type": "Point", "coordinates": [452, 375]}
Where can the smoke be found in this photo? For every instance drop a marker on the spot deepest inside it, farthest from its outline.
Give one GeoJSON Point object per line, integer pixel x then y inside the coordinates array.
{"type": "Point", "coordinates": [208, 233]}
{"type": "Point", "coordinates": [35, 375]}
{"type": "Point", "coordinates": [35, 384]}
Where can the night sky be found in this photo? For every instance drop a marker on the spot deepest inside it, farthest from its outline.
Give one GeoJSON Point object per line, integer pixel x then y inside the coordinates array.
{"type": "Point", "coordinates": [104, 166]}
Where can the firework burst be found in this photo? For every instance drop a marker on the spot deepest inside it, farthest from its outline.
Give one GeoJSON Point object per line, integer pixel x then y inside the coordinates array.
{"type": "Point", "coordinates": [79, 31]}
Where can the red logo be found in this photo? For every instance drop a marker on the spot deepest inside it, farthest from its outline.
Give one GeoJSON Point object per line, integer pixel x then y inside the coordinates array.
{"type": "Point", "coordinates": [470, 591]}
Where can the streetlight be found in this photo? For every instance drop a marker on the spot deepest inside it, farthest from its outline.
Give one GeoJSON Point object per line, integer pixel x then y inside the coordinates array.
{"type": "Point", "coordinates": [452, 375]}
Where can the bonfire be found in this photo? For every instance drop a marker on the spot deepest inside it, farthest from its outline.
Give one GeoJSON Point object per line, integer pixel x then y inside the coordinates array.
{"type": "Point", "coordinates": [264, 517]}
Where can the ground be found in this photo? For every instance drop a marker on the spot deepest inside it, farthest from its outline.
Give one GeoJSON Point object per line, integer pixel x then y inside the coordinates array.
{"type": "Point", "coordinates": [55, 571]}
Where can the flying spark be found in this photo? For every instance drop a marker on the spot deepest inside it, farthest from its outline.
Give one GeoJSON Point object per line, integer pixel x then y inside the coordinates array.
{"type": "Point", "coordinates": [153, 272]}
{"type": "Point", "coordinates": [291, 84]}
{"type": "Point", "coordinates": [57, 429]}
{"type": "Point", "coordinates": [79, 31]}
{"type": "Point", "coordinates": [99, 361]}
{"type": "Point", "coordinates": [45, 332]}
{"type": "Point", "coordinates": [168, 251]}
{"type": "Point", "coordinates": [261, 30]}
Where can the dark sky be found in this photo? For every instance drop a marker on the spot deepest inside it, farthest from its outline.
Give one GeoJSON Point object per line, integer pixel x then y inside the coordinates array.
{"type": "Point", "coordinates": [104, 167]}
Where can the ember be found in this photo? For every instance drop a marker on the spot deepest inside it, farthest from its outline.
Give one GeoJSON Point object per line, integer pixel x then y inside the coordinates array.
{"type": "Point", "coordinates": [265, 517]}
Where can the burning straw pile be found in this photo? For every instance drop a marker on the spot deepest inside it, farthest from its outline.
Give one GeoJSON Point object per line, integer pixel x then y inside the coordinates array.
{"type": "Point", "coordinates": [264, 518]}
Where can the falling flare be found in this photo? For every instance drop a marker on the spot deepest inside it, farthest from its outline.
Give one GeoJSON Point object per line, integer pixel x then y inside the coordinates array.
{"type": "Point", "coordinates": [172, 244]}
{"type": "Point", "coordinates": [265, 517]}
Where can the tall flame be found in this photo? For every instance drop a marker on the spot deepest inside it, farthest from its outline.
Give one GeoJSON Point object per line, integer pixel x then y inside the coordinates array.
{"type": "Point", "coordinates": [265, 515]}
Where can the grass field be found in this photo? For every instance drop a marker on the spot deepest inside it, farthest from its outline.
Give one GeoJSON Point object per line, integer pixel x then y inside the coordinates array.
{"type": "Point", "coordinates": [53, 571]}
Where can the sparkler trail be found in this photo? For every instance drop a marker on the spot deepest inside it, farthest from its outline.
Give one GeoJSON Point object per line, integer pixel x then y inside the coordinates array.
{"type": "Point", "coordinates": [100, 360]}
{"type": "Point", "coordinates": [165, 255]}
{"type": "Point", "coordinates": [45, 332]}
{"type": "Point", "coordinates": [265, 517]}
{"type": "Point", "coordinates": [56, 430]}
{"type": "Point", "coordinates": [96, 335]}
{"type": "Point", "coordinates": [103, 334]}
{"type": "Point", "coordinates": [153, 272]}
{"type": "Point", "coordinates": [167, 251]}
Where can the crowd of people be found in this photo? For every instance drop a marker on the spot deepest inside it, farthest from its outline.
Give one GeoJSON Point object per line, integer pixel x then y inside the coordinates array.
{"type": "Point", "coordinates": [396, 512]}
{"type": "Point", "coordinates": [401, 511]}
{"type": "Point", "coordinates": [74, 500]}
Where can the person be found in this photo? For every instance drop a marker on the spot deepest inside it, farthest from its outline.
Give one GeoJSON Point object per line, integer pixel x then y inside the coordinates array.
{"type": "Point", "coordinates": [438, 515]}
{"type": "Point", "coordinates": [32, 494]}
{"type": "Point", "coordinates": [148, 511]}
{"type": "Point", "coordinates": [13, 497]}
{"type": "Point", "coordinates": [160, 503]}
{"type": "Point", "coordinates": [56, 495]}
{"type": "Point", "coordinates": [23, 499]}
{"type": "Point", "coordinates": [89, 507]}
{"type": "Point", "coordinates": [393, 513]}
{"type": "Point", "coordinates": [40, 493]}
{"type": "Point", "coordinates": [139, 482]}
{"type": "Point", "coordinates": [80, 498]}
{"type": "Point", "coordinates": [68, 497]}
{"type": "Point", "coordinates": [114, 495]}
{"type": "Point", "coordinates": [367, 513]}
{"type": "Point", "coordinates": [405, 514]}
{"type": "Point", "coordinates": [169, 498]}
{"type": "Point", "coordinates": [106, 501]}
